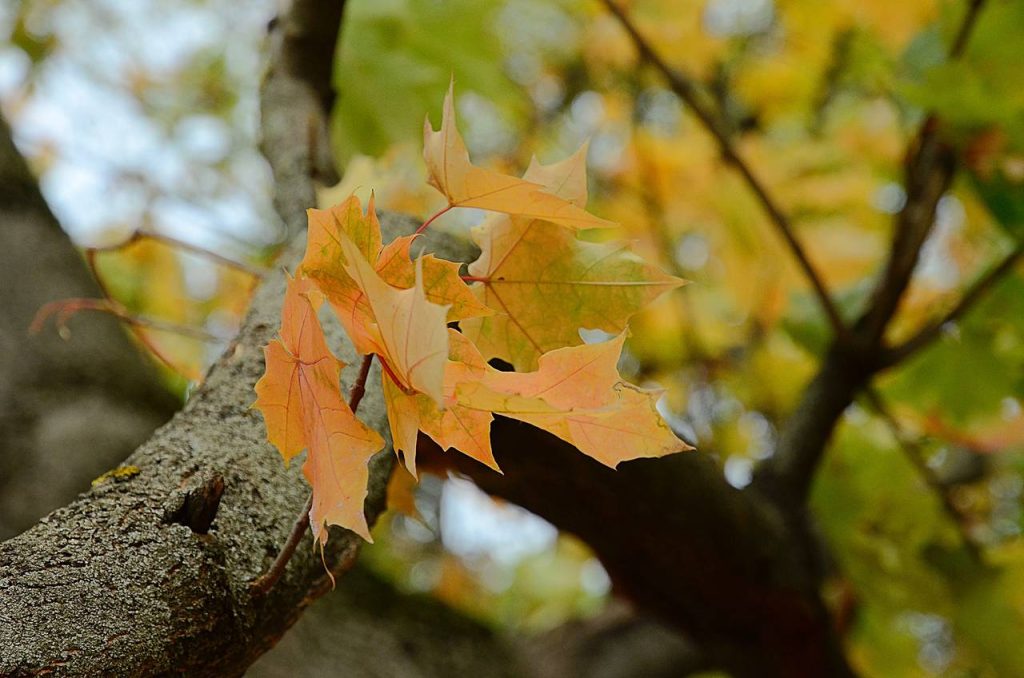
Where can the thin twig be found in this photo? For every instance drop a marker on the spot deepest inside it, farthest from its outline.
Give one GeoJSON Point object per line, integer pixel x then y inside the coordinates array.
{"type": "Point", "coordinates": [90, 260]}
{"type": "Point", "coordinates": [975, 293]}
{"type": "Point", "coordinates": [914, 451]}
{"type": "Point", "coordinates": [266, 582]}
{"type": "Point", "coordinates": [63, 309]}
{"type": "Point", "coordinates": [697, 99]}
{"type": "Point", "coordinates": [181, 245]}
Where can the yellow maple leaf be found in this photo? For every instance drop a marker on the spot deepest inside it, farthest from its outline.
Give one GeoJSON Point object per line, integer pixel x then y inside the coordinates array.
{"type": "Point", "coordinates": [545, 284]}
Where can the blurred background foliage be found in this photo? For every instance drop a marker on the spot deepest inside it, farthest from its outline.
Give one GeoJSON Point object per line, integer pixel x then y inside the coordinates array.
{"type": "Point", "coordinates": [142, 116]}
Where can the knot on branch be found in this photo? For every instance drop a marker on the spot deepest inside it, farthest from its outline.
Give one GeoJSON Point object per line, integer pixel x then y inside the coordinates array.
{"type": "Point", "coordinates": [196, 509]}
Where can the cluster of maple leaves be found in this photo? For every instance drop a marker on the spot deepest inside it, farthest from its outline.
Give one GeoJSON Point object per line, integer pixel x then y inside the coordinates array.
{"type": "Point", "coordinates": [524, 301]}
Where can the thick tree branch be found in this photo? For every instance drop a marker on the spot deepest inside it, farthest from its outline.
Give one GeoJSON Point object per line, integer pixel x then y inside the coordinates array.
{"type": "Point", "coordinates": [679, 542]}
{"type": "Point", "coordinates": [112, 584]}
{"type": "Point", "coordinates": [974, 294]}
{"type": "Point", "coordinates": [690, 91]}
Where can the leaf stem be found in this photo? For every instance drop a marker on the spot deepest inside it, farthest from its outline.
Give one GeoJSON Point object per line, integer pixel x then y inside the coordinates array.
{"type": "Point", "coordinates": [475, 278]}
{"type": "Point", "coordinates": [266, 582]}
{"type": "Point", "coordinates": [429, 221]}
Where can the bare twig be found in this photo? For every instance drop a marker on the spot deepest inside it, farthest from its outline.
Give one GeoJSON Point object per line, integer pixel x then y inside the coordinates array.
{"type": "Point", "coordinates": [914, 451]}
{"type": "Point", "coordinates": [135, 323]}
{"type": "Point", "coordinates": [975, 293]}
{"type": "Point", "coordinates": [697, 99]}
{"type": "Point", "coordinates": [62, 309]}
{"type": "Point", "coordinates": [266, 582]}
{"type": "Point", "coordinates": [181, 245]}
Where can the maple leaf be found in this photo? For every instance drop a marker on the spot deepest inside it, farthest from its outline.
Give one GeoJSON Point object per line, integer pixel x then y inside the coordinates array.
{"type": "Point", "coordinates": [325, 262]}
{"type": "Point", "coordinates": [466, 429]}
{"type": "Point", "coordinates": [576, 394]}
{"type": "Point", "coordinates": [442, 283]}
{"type": "Point", "coordinates": [302, 406]}
{"type": "Point", "coordinates": [628, 428]}
{"type": "Point", "coordinates": [546, 284]}
{"type": "Point", "coordinates": [408, 332]}
{"type": "Point", "coordinates": [452, 173]}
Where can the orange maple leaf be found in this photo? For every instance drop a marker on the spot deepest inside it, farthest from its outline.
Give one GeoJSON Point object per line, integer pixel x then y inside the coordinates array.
{"type": "Point", "coordinates": [301, 402]}
{"type": "Point", "coordinates": [576, 394]}
{"type": "Point", "coordinates": [457, 426]}
{"type": "Point", "coordinates": [463, 184]}
{"type": "Point", "coordinates": [325, 262]}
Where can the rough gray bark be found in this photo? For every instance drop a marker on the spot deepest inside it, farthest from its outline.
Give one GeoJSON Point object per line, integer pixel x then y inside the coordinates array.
{"type": "Point", "coordinates": [96, 393]}
{"type": "Point", "coordinates": [115, 584]}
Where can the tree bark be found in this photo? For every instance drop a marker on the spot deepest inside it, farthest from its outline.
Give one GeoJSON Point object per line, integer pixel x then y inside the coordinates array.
{"type": "Point", "coordinates": [714, 562]}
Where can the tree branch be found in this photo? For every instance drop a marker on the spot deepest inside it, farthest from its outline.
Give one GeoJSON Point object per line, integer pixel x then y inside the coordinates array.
{"type": "Point", "coordinates": [929, 171]}
{"type": "Point", "coordinates": [295, 102]}
{"type": "Point", "coordinates": [113, 584]}
{"type": "Point", "coordinates": [966, 27]}
{"type": "Point", "coordinates": [973, 295]}
{"type": "Point", "coordinates": [786, 477]}
{"type": "Point", "coordinates": [698, 100]}
{"type": "Point", "coordinates": [678, 541]}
